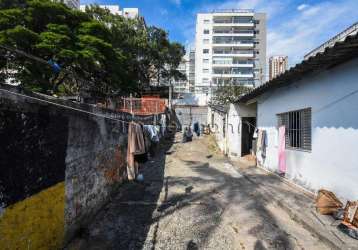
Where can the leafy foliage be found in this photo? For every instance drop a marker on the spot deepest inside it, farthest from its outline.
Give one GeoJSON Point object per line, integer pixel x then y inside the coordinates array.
{"type": "Point", "coordinates": [98, 52]}
{"type": "Point", "coordinates": [228, 94]}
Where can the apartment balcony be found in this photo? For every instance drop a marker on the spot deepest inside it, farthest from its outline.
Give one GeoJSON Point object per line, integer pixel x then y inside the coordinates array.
{"type": "Point", "coordinates": [234, 24]}
{"type": "Point", "coordinates": [233, 75]}
{"type": "Point", "coordinates": [218, 81]}
{"type": "Point", "coordinates": [227, 33]}
{"type": "Point", "coordinates": [231, 64]}
{"type": "Point", "coordinates": [238, 54]}
{"type": "Point", "coordinates": [236, 44]}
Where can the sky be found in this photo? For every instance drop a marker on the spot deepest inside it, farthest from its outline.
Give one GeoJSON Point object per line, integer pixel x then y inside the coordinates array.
{"type": "Point", "coordinates": [294, 27]}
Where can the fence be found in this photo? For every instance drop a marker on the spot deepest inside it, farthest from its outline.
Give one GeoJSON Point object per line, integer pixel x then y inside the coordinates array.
{"type": "Point", "coordinates": [142, 106]}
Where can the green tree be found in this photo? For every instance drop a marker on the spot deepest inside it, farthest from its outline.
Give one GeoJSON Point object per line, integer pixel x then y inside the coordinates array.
{"type": "Point", "coordinates": [98, 52]}
{"type": "Point", "coordinates": [228, 94]}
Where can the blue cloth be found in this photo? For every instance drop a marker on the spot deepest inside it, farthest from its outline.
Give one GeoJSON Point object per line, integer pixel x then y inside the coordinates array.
{"type": "Point", "coordinates": [197, 129]}
{"type": "Point", "coordinates": [55, 66]}
{"type": "Point", "coordinates": [153, 132]}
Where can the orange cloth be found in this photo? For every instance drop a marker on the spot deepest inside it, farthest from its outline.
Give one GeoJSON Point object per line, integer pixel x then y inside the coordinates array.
{"type": "Point", "coordinates": [136, 146]}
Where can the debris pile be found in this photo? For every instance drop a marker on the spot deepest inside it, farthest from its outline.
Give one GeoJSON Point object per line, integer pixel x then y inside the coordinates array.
{"type": "Point", "coordinates": [328, 204]}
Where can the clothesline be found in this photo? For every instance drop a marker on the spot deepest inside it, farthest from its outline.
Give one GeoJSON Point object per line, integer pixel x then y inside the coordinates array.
{"type": "Point", "coordinates": [67, 107]}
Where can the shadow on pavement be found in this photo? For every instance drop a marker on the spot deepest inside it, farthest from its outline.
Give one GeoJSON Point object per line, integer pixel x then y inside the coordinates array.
{"type": "Point", "coordinates": [212, 203]}
{"type": "Point", "coordinates": [125, 221]}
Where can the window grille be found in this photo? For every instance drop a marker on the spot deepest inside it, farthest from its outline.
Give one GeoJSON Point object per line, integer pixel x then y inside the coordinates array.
{"type": "Point", "coordinates": [298, 128]}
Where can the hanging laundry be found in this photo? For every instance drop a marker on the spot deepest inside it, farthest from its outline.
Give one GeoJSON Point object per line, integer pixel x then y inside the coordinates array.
{"type": "Point", "coordinates": [163, 124]}
{"type": "Point", "coordinates": [152, 131]}
{"type": "Point", "coordinates": [281, 149]}
{"type": "Point", "coordinates": [263, 143]}
{"type": "Point", "coordinates": [197, 128]}
{"type": "Point", "coordinates": [157, 127]}
{"type": "Point", "coordinates": [259, 139]}
{"type": "Point", "coordinates": [255, 135]}
{"type": "Point", "coordinates": [54, 65]}
{"type": "Point", "coordinates": [136, 146]}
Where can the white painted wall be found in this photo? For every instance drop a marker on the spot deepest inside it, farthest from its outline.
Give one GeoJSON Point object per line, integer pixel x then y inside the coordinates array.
{"type": "Point", "coordinates": [235, 113]}
{"type": "Point", "coordinates": [192, 99]}
{"type": "Point", "coordinates": [199, 47]}
{"type": "Point", "coordinates": [333, 162]}
{"type": "Point", "coordinates": [230, 144]}
{"type": "Point", "coordinates": [217, 129]}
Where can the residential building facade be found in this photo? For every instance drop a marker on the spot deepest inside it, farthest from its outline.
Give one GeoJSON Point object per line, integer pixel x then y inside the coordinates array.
{"type": "Point", "coordinates": [233, 127]}
{"type": "Point", "coordinates": [308, 119]}
{"type": "Point", "coordinates": [230, 49]}
{"type": "Point", "coordinates": [187, 68]}
{"type": "Point", "coordinates": [191, 76]}
{"type": "Point", "coordinates": [182, 86]}
{"type": "Point", "coordinates": [277, 65]}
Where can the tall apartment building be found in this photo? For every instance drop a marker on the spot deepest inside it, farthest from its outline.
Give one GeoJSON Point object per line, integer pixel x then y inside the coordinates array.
{"type": "Point", "coordinates": [230, 49]}
{"type": "Point", "coordinates": [186, 67]}
{"type": "Point", "coordinates": [277, 65]}
{"type": "Point", "coordinates": [182, 86]}
{"type": "Point", "coordinates": [191, 73]}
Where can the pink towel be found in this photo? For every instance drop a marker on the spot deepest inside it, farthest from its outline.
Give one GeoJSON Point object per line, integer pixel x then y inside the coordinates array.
{"type": "Point", "coordinates": [281, 149]}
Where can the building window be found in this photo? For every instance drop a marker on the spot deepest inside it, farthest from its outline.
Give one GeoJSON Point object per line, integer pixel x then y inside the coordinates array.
{"type": "Point", "coordinates": [206, 21]}
{"type": "Point", "coordinates": [206, 41]}
{"type": "Point", "coordinates": [205, 70]}
{"type": "Point", "coordinates": [205, 60]}
{"type": "Point", "coordinates": [206, 31]}
{"type": "Point", "coordinates": [298, 128]}
{"type": "Point", "coordinates": [206, 51]}
{"type": "Point", "coordinates": [206, 80]}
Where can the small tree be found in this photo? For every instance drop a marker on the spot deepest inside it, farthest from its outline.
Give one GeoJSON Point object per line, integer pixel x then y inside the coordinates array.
{"type": "Point", "coordinates": [228, 94]}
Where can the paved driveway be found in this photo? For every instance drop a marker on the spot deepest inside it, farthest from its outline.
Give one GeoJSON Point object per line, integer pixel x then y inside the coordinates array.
{"type": "Point", "coordinates": [193, 198]}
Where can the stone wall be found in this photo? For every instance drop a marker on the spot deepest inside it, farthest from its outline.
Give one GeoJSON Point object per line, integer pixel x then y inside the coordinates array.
{"type": "Point", "coordinates": [60, 162]}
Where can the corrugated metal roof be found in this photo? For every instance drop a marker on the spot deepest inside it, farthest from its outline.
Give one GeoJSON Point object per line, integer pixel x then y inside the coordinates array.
{"type": "Point", "coordinates": [341, 52]}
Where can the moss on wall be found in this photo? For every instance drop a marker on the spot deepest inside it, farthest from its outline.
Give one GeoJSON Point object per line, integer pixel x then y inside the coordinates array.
{"type": "Point", "coordinates": [36, 222]}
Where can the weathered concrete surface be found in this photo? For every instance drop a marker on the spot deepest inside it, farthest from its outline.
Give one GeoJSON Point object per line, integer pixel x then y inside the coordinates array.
{"type": "Point", "coordinates": [192, 198]}
{"type": "Point", "coordinates": [299, 204]}
{"type": "Point", "coordinates": [59, 163]}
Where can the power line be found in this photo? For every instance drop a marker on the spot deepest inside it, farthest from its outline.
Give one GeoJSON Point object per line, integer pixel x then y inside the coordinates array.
{"type": "Point", "coordinates": [49, 63]}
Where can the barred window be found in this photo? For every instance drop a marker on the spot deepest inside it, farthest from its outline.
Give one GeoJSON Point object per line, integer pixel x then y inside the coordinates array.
{"type": "Point", "coordinates": [298, 128]}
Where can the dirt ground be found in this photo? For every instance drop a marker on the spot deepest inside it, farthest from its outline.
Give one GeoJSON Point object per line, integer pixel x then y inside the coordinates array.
{"type": "Point", "coordinates": [194, 198]}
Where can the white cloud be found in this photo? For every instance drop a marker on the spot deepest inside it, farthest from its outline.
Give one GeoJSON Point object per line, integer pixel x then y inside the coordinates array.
{"type": "Point", "coordinates": [271, 8]}
{"type": "Point", "coordinates": [176, 2]}
{"type": "Point", "coordinates": [302, 7]}
{"type": "Point", "coordinates": [307, 29]}
{"type": "Point", "coordinates": [163, 12]}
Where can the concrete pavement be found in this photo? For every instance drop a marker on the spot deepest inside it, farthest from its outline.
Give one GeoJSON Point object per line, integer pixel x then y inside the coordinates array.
{"type": "Point", "coordinates": [194, 198]}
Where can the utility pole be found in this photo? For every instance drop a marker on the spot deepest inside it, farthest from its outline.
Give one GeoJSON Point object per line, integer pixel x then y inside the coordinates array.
{"type": "Point", "coordinates": [170, 95]}
{"type": "Point", "coordinates": [131, 105]}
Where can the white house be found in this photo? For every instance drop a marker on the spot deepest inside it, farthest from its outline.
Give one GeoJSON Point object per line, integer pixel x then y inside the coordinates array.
{"type": "Point", "coordinates": [233, 127]}
{"type": "Point", "coordinates": [316, 102]}
{"type": "Point", "coordinates": [217, 117]}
